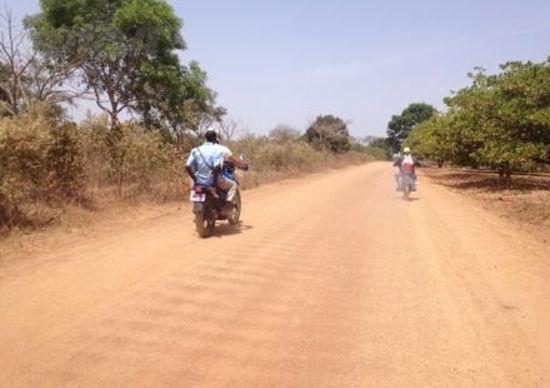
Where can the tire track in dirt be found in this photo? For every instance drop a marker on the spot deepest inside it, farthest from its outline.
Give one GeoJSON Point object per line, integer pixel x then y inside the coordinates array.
{"type": "Point", "coordinates": [250, 270]}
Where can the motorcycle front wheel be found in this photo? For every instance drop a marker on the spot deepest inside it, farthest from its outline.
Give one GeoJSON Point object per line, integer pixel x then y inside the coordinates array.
{"type": "Point", "coordinates": [235, 215]}
{"type": "Point", "coordinates": [406, 189]}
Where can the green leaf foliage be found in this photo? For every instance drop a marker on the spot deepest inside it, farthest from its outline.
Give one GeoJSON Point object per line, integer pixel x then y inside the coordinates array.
{"type": "Point", "coordinates": [401, 125]}
{"type": "Point", "coordinates": [127, 54]}
{"type": "Point", "coordinates": [501, 121]}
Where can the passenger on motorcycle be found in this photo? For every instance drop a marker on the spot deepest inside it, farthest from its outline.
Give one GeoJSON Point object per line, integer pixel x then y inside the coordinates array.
{"type": "Point", "coordinates": [407, 163]}
{"type": "Point", "coordinates": [205, 164]}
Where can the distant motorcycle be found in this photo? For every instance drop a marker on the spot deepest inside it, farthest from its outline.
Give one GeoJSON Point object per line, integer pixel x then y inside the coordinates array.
{"type": "Point", "coordinates": [406, 174]}
{"type": "Point", "coordinates": [407, 183]}
{"type": "Point", "coordinates": [209, 204]}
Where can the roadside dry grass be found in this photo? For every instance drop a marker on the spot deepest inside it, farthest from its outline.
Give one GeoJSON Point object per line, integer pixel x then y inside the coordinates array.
{"type": "Point", "coordinates": [526, 199]}
{"type": "Point", "coordinates": [74, 222]}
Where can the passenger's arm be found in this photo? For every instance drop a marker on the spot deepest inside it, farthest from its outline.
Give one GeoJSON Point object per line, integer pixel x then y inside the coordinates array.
{"type": "Point", "coordinates": [238, 162]}
{"type": "Point", "coordinates": [398, 162]}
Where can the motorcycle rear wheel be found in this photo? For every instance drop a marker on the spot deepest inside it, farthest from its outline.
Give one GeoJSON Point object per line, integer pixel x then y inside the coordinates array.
{"type": "Point", "coordinates": [204, 224]}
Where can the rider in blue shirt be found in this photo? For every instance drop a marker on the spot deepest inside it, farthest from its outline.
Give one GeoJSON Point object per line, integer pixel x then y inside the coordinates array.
{"type": "Point", "coordinates": [205, 163]}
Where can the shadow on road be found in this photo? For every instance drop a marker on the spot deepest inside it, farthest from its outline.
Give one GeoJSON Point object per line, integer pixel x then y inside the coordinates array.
{"type": "Point", "coordinates": [226, 230]}
{"type": "Point", "coordinates": [489, 181]}
{"type": "Point", "coordinates": [411, 199]}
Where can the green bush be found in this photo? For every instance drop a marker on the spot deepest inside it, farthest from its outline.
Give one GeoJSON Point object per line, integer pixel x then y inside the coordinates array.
{"type": "Point", "coordinates": [501, 121]}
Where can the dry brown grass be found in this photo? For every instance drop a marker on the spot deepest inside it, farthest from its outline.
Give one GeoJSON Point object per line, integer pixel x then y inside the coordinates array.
{"type": "Point", "coordinates": [55, 173]}
{"type": "Point", "coordinates": [74, 224]}
{"type": "Point", "coordinates": [153, 176]}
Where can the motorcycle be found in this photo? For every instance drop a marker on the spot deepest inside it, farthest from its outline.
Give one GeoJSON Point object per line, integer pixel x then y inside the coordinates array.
{"type": "Point", "coordinates": [209, 204]}
{"type": "Point", "coordinates": [407, 183]}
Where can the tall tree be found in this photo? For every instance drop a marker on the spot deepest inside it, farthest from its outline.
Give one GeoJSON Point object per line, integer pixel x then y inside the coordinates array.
{"type": "Point", "coordinates": [26, 77]}
{"type": "Point", "coordinates": [330, 132]}
{"type": "Point", "coordinates": [126, 53]}
{"type": "Point", "coordinates": [500, 121]}
{"type": "Point", "coordinates": [188, 105]}
{"type": "Point", "coordinates": [401, 125]}
{"type": "Point", "coordinates": [503, 120]}
{"type": "Point", "coordinates": [13, 64]}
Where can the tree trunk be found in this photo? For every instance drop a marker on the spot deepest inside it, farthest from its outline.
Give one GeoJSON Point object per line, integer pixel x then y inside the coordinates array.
{"type": "Point", "coordinates": [505, 173]}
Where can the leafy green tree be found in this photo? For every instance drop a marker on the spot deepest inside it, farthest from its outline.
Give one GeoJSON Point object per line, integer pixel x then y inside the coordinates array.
{"type": "Point", "coordinates": [330, 132]}
{"type": "Point", "coordinates": [401, 125]}
{"type": "Point", "coordinates": [427, 140]}
{"type": "Point", "coordinates": [518, 126]}
{"type": "Point", "coordinates": [126, 54]}
{"type": "Point", "coordinates": [192, 104]}
{"type": "Point", "coordinates": [500, 121]}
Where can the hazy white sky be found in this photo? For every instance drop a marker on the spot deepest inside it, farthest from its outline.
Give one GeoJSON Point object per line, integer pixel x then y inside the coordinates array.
{"type": "Point", "coordinates": [287, 61]}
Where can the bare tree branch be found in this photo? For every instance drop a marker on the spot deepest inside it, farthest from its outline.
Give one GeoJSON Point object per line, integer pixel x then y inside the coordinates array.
{"type": "Point", "coordinates": [25, 77]}
{"type": "Point", "coordinates": [228, 129]}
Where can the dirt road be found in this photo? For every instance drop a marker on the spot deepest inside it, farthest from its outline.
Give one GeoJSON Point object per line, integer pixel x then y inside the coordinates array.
{"type": "Point", "coordinates": [332, 281]}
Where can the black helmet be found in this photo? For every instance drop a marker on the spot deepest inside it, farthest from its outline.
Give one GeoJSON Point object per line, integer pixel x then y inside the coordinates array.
{"type": "Point", "coordinates": [211, 135]}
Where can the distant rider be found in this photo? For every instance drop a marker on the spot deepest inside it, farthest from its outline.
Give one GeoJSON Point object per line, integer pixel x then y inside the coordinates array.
{"type": "Point", "coordinates": [205, 164]}
{"type": "Point", "coordinates": [407, 163]}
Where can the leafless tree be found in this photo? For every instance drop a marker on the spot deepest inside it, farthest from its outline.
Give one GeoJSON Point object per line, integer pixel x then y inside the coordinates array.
{"type": "Point", "coordinates": [283, 133]}
{"type": "Point", "coordinates": [54, 83]}
{"type": "Point", "coordinates": [228, 129]}
{"type": "Point", "coordinates": [25, 77]}
{"type": "Point", "coordinates": [14, 63]}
